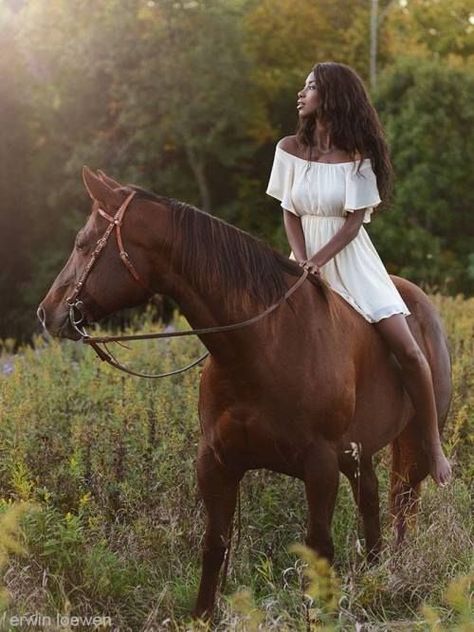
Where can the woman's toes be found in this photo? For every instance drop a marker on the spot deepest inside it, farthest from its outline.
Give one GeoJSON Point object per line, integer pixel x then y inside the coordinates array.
{"type": "Point", "coordinates": [441, 470]}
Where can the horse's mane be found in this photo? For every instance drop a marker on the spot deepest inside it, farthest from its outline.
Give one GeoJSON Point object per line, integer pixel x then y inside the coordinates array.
{"type": "Point", "coordinates": [211, 252]}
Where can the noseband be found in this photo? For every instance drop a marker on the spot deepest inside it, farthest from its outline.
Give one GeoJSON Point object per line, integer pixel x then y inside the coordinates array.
{"type": "Point", "coordinates": [75, 305]}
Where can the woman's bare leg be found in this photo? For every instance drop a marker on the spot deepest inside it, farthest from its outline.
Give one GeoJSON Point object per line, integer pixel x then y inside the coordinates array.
{"type": "Point", "coordinates": [417, 379]}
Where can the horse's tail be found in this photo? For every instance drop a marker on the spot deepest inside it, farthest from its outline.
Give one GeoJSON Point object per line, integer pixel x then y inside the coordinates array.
{"type": "Point", "coordinates": [408, 470]}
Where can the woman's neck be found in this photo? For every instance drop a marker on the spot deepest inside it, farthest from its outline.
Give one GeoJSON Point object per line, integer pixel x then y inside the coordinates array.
{"type": "Point", "coordinates": [322, 139]}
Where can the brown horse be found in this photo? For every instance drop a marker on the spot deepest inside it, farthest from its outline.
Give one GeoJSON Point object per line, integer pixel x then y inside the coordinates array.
{"type": "Point", "coordinates": [310, 391]}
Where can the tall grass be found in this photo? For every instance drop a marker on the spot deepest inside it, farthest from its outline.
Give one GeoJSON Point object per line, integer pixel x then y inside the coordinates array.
{"type": "Point", "coordinates": [109, 462]}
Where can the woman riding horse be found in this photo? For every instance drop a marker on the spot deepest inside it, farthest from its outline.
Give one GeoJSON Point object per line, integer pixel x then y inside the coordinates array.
{"type": "Point", "coordinates": [306, 388]}
{"type": "Point", "coordinates": [329, 177]}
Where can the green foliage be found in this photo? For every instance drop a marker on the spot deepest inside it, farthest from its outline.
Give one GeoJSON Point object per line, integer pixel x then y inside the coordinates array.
{"type": "Point", "coordinates": [188, 99]}
{"type": "Point", "coordinates": [431, 29]}
{"type": "Point", "coordinates": [110, 461]}
{"type": "Point", "coordinates": [11, 515]}
{"type": "Point", "coordinates": [428, 110]}
{"type": "Point", "coordinates": [323, 587]}
{"type": "Point", "coordinates": [459, 596]}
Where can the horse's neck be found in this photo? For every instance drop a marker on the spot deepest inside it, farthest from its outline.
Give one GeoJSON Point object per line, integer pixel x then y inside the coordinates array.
{"type": "Point", "coordinates": [204, 308]}
{"type": "Point", "coordinates": [209, 302]}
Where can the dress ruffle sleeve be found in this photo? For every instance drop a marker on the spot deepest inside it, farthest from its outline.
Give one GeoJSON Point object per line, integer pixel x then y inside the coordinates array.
{"type": "Point", "coordinates": [281, 180]}
{"type": "Point", "coordinates": [361, 190]}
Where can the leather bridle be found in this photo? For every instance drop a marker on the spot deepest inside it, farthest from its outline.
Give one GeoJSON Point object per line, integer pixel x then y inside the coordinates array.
{"type": "Point", "coordinates": [75, 304]}
{"type": "Point", "coordinates": [115, 222]}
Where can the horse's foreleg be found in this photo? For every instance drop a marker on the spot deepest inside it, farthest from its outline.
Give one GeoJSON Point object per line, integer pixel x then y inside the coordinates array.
{"type": "Point", "coordinates": [321, 483]}
{"type": "Point", "coordinates": [218, 488]}
{"type": "Point", "coordinates": [365, 489]}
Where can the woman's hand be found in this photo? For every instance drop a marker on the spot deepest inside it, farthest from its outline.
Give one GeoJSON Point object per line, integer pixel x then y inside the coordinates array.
{"type": "Point", "coordinates": [309, 265]}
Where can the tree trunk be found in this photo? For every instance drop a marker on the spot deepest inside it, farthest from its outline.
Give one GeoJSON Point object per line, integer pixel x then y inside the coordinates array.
{"type": "Point", "coordinates": [198, 167]}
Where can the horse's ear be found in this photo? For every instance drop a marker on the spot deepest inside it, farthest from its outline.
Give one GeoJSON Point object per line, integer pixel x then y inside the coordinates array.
{"type": "Point", "coordinates": [110, 181]}
{"type": "Point", "coordinates": [100, 190]}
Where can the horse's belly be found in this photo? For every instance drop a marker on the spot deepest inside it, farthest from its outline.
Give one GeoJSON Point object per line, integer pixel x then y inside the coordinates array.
{"type": "Point", "coordinates": [382, 409]}
{"type": "Point", "coordinates": [279, 434]}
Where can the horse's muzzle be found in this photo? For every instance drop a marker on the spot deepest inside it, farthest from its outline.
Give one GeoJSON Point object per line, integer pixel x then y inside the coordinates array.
{"type": "Point", "coordinates": [57, 325]}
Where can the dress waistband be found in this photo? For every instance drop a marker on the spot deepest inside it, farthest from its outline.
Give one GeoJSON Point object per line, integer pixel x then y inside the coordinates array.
{"type": "Point", "coordinates": [323, 216]}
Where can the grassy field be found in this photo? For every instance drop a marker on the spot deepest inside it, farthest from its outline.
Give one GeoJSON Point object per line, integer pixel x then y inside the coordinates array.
{"type": "Point", "coordinates": [100, 514]}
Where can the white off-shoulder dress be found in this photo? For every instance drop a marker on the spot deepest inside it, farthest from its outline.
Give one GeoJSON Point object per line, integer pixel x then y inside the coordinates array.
{"type": "Point", "coordinates": [322, 194]}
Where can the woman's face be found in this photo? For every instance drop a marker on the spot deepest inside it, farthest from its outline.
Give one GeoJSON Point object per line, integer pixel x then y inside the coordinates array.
{"type": "Point", "coordinates": [308, 99]}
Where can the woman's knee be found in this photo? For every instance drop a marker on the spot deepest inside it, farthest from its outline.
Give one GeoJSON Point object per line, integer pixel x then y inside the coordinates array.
{"type": "Point", "coordinates": [410, 355]}
{"type": "Point", "coordinates": [401, 341]}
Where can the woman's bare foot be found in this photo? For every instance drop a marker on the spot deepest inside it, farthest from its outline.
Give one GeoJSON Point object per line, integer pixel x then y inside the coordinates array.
{"type": "Point", "coordinates": [440, 468]}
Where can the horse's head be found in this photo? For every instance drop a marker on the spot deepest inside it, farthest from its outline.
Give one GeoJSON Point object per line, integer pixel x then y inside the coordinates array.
{"type": "Point", "coordinates": [107, 269]}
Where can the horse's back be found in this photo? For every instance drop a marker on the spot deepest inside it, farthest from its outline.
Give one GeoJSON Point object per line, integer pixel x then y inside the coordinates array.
{"type": "Point", "coordinates": [316, 380]}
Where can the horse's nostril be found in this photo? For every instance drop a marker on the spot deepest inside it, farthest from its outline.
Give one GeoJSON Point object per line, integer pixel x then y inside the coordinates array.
{"type": "Point", "coordinates": [41, 315]}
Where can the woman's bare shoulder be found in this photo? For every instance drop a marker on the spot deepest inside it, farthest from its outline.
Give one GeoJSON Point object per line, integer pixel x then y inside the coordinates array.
{"type": "Point", "coordinates": [289, 144]}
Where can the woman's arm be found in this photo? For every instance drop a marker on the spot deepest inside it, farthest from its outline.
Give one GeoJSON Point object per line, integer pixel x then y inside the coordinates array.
{"type": "Point", "coordinates": [344, 236]}
{"type": "Point", "coordinates": [294, 234]}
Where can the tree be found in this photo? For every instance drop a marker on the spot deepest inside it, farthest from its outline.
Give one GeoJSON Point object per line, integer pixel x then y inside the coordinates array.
{"type": "Point", "coordinates": [428, 112]}
{"type": "Point", "coordinates": [16, 145]}
{"type": "Point", "coordinates": [191, 94]}
{"type": "Point", "coordinates": [187, 98]}
{"type": "Point", "coordinates": [429, 28]}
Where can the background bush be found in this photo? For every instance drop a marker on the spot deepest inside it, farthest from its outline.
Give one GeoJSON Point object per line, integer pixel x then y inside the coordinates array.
{"type": "Point", "coordinates": [109, 463]}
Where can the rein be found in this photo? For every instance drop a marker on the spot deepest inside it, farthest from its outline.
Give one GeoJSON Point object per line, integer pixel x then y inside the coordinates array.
{"type": "Point", "coordinates": [105, 354]}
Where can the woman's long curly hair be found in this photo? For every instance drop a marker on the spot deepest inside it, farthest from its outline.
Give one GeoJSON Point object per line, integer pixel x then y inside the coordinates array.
{"type": "Point", "coordinates": [352, 121]}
